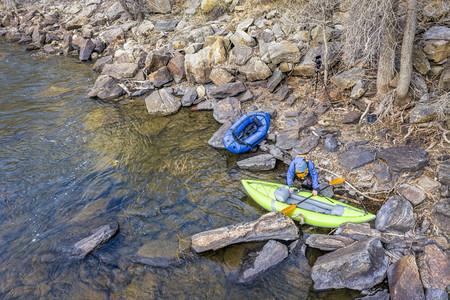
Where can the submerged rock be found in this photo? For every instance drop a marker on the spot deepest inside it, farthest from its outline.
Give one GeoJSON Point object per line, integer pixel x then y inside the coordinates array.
{"type": "Point", "coordinates": [92, 242]}
{"type": "Point", "coordinates": [273, 225]}
{"type": "Point", "coordinates": [359, 266]}
{"type": "Point", "coordinates": [272, 254]}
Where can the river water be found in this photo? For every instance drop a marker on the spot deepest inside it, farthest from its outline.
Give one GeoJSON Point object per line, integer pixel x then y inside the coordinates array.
{"type": "Point", "coordinates": [70, 164]}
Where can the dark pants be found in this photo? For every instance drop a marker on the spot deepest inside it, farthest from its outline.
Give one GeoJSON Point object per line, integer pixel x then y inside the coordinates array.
{"type": "Point", "coordinates": [306, 183]}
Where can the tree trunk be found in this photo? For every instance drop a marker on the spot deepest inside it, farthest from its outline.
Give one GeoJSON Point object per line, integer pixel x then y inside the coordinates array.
{"type": "Point", "coordinates": [404, 79]}
{"type": "Point", "coordinates": [387, 55]}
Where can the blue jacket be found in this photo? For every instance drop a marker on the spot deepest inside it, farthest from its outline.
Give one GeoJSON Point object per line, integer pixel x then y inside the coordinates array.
{"type": "Point", "coordinates": [311, 171]}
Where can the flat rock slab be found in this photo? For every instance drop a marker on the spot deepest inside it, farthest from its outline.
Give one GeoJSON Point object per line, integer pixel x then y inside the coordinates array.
{"type": "Point", "coordinates": [405, 159]}
{"type": "Point", "coordinates": [412, 193]}
{"type": "Point", "coordinates": [395, 215]}
{"type": "Point", "coordinates": [359, 266]}
{"type": "Point", "coordinates": [356, 157]}
{"type": "Point", "coordinates": [404, 280]}
{"type": "Point", "coordinates": [271, 255]}
{"type": "Point", "coordinates": [273, 225]}
{"type": "Point", "coordinates": [328, 242]}
{"type": "Point", "coordinates": [227, 90]}
{"type": "Point", "coordinates": [263, 162]}
{"type": "Point", "coordinates": [357, 231]}
{"type": "Point", "coordinates": [444, 172]}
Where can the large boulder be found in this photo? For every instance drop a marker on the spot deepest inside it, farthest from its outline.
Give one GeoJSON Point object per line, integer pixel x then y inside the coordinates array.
{"type": "Point", "coordinates": [120, 70]}
{"type": "Point", "coordinates": [106, 88]}
{"type": "Point", "coordinates": [404, 279]}
{"type": "Point", "coordinates": [228, 109]}
{"type": "Point", "coordinates": [162, 102]}
{"type": "Point", "coordinates": [405, 158]}
{"type": "Point", "coordinates": [255, 69]}
{"type": "Point", "coordinates": [396, 215]}
{"type": "Point", "coordinates": [359, 266]}
{"type": "Point", "coordinates": [271, 226]}
{"type": "Point", "coordinates": [348, 79]}
{"type": "Point", "coordinates": [283, 52]}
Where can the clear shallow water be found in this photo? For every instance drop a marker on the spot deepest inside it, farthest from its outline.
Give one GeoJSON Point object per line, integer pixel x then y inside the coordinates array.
{"type": "Point", "coordinates": [69, 164]}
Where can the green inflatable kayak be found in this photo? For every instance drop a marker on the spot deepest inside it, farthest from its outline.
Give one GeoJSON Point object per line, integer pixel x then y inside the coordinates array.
{"type": "Point", "coordinates": [315, 210]}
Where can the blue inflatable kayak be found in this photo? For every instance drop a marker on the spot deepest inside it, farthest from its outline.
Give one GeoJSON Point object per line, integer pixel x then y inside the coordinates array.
{"type": "Point", "coordinates": [247, 132]}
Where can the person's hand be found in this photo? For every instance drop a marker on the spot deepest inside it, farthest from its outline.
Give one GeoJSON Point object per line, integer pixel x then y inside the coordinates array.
{"type": "Point", "coordinates": [314, 192]}
{"type": "Point", "coordinates": [291, 190]}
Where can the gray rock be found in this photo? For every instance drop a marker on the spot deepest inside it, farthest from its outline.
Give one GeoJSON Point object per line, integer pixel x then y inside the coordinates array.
{"type": "Point", "coordinates": [120, 70]}
{"type": "Point", "coordinates": [106, 88]}
{"type": "Point", "coordinates": [271, 255]}
{"type": "Point", "coordinates": [434, 267]}
{"type": "Point", "coordinates": [101, 62]}
{"type": "Point", "coordinates": [404, 280]}
{"type": "Point", "coordinates": [227, 110]}
{"type": "Point", "coordinates": [437, 33]}
{"type": "Point", "coordinates": [157, 59]}
{"type": "Point", "coordinates": [328, 242]}
{"type": "Point", "coordinates": [162, 103]}
{"type": "Point", "coordinates": [434, 294]}
{"type": "Point", "coordinates": [352, 117]}
{"type": "Point", "coordinates": [422, 112]}
{"type": "Point", "coordinates": [245, 96]}
{"type": "Point", "coordinates": [357, 231]}
{"type": "Point", "coordinates": [405, 159]}
{"type": "Point", "coordinates": [216, 141]}
{"type": "Point", "coordinates": [198, 66]}
{"type": "Point", "coordinates": [262, 162]}
{"type": "Point", "coordinates": [380, 295]}
{"type": "Point", "coordinates": [274, 80]}
{"type": "Point", "coordinates": [283, 92]}
{"type": "Point", "coordinates": [358, 266]}
{"type": "Point", "coordinates": [412, 193]}
{"type": "Point", "coordinates": [283, 52]}
{"type": "Point", "coordinates": [112, 34]}
{"type": "Point", "coordinates": [395, 215]}
{"type": "Point", "coordinates": [359, 89]}
{"type": "Point", "coordinates": [444, 172]}
{"type": "Point", "coordinates": [189, 96]}
{"type": "Point", "coordinates": [242, 38]}
{"type": "Point", "coordinates": [166, 26]}
{"type": "Point", "coordinates": [199, 35]}
{"type": "Point", "coordinates": [330, 144]}
{"type": "Point", "coordinates": [255, 70]}
{"type": "Point", "coordinates": [160, 77]}
{"type": "Point", "coordinates": [93, 241]}
{"type": "Point", "coordinates": [227, 90]}
{"type": "Point", "coordinates": [356, 157]}
{"type": "Point", "coordinates": [348, 79]}
{"type": "Point", "coordinates": [273, 225]}
{"type": "Point", "coordinates": [420, 61]}
{"type": "Point", "coordinates": [240, 55]}
{"type": "Point", "coordinates": [287, 139]}
{"type": "Point", "coordinates": [440, 214]}
{"type": "Point", "coordinates": [306, 144]}
{"type": "Point", "coordinates": [384, 179]}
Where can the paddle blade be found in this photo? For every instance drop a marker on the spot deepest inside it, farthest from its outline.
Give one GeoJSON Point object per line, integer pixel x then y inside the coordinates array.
{"type": "Point", "coordinates": [289, 209]}
{"type": "Point", "coordinates": [337, 181]}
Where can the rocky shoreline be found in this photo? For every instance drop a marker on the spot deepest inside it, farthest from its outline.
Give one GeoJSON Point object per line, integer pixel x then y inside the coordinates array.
{"type": "Point", "coordinates": [237, 62]}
